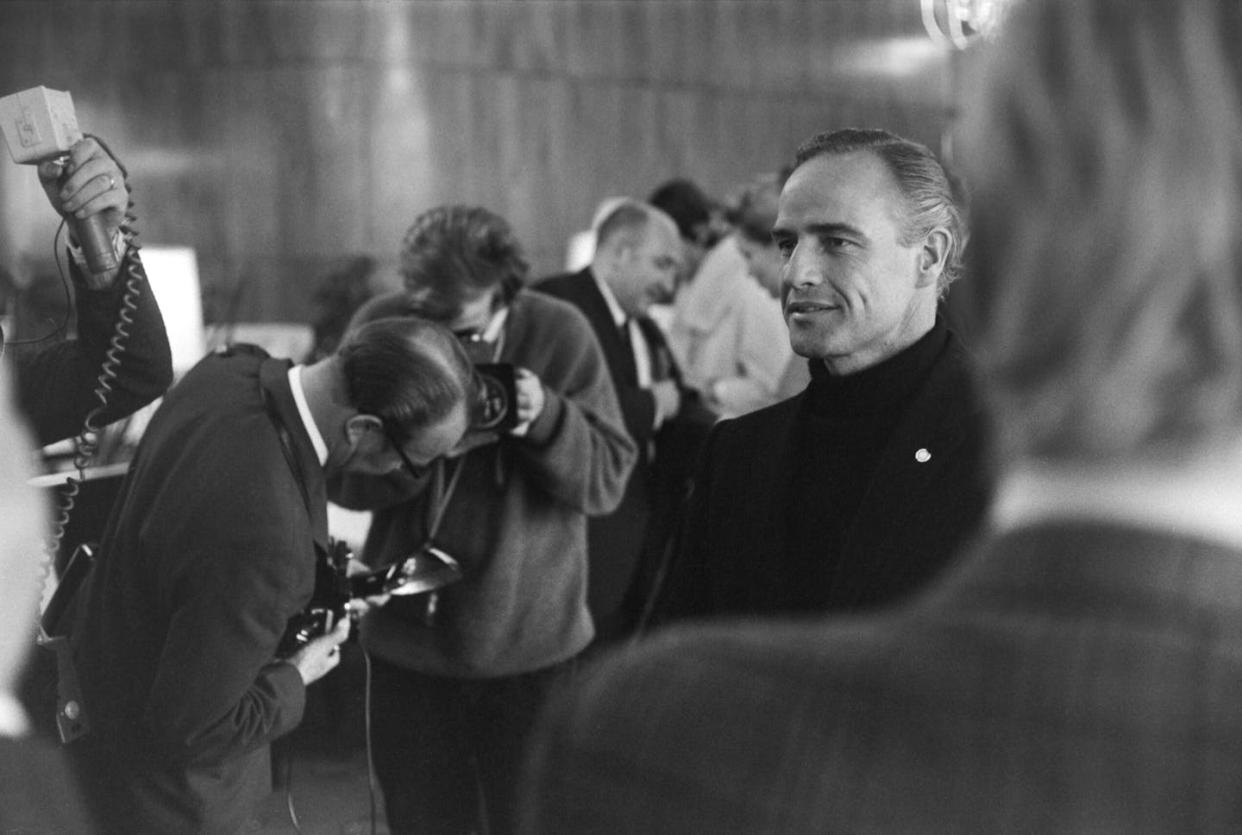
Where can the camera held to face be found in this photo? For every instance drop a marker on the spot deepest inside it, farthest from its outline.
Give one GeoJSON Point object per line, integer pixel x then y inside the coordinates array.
{"type": "Point", "coordinates": [496, 407]}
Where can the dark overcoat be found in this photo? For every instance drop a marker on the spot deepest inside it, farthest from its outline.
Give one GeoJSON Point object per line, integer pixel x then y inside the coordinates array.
{"type": "Point", "coordinates": [210, 550]}
{"type": "Point", "coordinates": [927, 496]}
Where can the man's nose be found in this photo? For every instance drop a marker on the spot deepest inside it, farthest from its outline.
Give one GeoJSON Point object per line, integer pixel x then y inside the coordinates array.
{"type": "Point", "coordinates": [801, 270]}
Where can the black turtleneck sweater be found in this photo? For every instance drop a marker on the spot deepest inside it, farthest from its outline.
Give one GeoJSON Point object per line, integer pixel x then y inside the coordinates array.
{"type": "Point", "coordinates": [839, 436]}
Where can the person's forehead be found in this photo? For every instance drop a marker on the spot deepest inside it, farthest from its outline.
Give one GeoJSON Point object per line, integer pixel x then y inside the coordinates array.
{"type": "Point", "coordinates": [849, 188]}
{"type": "Point", "coordinates": [659, 243]}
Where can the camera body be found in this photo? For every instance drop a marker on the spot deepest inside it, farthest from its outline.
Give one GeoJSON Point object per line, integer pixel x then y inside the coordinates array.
{"type": "Point", "coordinates": [423, 572]}
{"type": "Point", "coordinates": [496, 407]}
{"type": "Point", "coordinates": [329, 601]}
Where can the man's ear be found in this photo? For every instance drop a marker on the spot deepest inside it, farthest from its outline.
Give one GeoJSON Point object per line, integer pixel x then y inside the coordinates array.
{"type": "Point", "coordinates": [934, 256]}
{"type": "Point", "coordinates": [364, 433]}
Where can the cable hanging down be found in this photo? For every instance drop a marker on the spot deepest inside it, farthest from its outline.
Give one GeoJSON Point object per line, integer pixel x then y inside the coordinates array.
{"type": "Point", "coordinates": [86, 442]}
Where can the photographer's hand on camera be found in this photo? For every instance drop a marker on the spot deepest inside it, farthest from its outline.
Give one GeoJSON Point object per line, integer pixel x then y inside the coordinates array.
{"type": "Point", "coordinates": [530, 400]}
{"type": "Point", "coordinates": [88, 182]}
{"type": "Point", "coordinates": [321, 655]}
{"type": "Point", "coordinates": [359, 606]}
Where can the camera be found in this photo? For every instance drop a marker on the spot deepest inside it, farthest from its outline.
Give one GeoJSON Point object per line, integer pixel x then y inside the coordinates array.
{"type": "Point", "coordinates": [496, 407]}
{"type": "Point", "coordinates": [425, 571]}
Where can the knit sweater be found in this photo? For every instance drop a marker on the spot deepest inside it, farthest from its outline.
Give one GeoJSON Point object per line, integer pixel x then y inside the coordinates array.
{"type": "Point", "coordinates": [516, 517]}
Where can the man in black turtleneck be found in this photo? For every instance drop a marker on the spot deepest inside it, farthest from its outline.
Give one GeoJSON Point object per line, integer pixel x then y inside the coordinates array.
{"type": "Point", "coordinates": [860, 489]}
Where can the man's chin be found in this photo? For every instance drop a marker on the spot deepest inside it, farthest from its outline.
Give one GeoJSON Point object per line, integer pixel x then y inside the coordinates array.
{"type": "Point", "coordinates": [812, 349]}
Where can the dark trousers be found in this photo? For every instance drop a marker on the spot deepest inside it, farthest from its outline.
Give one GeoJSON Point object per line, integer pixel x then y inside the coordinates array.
{"type": "Point", "coordinates": [450, 751]}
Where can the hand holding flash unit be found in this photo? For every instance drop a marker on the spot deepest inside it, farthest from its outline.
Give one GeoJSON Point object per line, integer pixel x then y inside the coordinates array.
{"type": "Point", "coordinates": [80, 178]}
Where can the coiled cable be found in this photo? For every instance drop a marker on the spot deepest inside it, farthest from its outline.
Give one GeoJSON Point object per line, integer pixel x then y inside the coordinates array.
{"type": "Point", "coordinates": [86, 442]}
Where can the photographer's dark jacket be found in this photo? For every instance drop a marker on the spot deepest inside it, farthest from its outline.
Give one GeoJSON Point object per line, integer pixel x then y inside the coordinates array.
{"type": "Point", "coordinates": [848, 496]}
{"type": "Point", "coordinates": [56, 381]}
{"type": "Point", "coordinates": [209, 551]}
{"type": "Point", "coordinates": [517, 519]}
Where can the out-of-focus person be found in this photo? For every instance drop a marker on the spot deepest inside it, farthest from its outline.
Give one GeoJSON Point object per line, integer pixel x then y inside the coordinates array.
{"type": "Point", "coordinates": [861, 488]}
{"type": "Point", "coordinates": [698, 219]}
{"type": "Point", "coordinates": [728, 335]}
{"type": "Point", "coordinates": [1078, 672]}
{"type": "Point", "coordinates": [56, 382]}
{"type": "Point", "coordinates": [635, 265]}
{"type": "Point", "coordinates": [211, 551]}
{"type": "Point", "coordinates": [459, 675]}
{"type": "Point", "coordinates": [580, 248]}
{"type": "Point", "coordinates": [37, 790]}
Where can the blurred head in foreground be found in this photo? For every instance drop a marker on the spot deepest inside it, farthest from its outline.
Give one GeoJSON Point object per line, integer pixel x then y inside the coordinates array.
{"type": "Point", "coordinates": [24, 518]}
{"type": "Point", "coordinates": [1101, 145]}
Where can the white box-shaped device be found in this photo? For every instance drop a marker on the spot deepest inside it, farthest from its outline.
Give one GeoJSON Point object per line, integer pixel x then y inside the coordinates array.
{"type": "Point", "coordinates": [38, 123]}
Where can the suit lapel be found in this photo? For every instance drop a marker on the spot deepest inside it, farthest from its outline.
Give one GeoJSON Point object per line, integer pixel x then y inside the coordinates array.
{"type": "Point", "coordinates": [617, 349]}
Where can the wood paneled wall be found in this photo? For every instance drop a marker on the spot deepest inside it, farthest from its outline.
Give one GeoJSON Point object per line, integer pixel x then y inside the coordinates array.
{"type": "Point", "coordinates": [279, 137]}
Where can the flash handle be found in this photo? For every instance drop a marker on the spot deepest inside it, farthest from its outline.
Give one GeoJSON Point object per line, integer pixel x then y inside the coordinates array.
{"type": "Point", "coordinates": [96, 243]}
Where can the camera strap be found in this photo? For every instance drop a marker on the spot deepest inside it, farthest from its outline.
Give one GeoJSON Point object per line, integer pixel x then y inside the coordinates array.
{"type": "Point", "coordinates": [442, 493]}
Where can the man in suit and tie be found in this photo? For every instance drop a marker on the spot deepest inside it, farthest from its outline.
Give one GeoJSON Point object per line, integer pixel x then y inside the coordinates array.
{"type": "Point", "coordinates": [638, 253]}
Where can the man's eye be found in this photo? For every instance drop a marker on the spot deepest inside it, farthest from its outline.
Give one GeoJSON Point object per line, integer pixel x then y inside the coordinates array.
{"type": "Point", "coordinates": [785, 247]}
{"type": "Point", "coordinates": [833, 242]}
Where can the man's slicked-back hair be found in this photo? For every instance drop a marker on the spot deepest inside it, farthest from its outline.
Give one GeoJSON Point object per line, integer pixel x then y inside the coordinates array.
{"type": "Point", "coordinates": [933, 197]}
{"type": "Point", "coordinates": [451, 251]}
{"type": "Point", "coordinates": [408, 371]}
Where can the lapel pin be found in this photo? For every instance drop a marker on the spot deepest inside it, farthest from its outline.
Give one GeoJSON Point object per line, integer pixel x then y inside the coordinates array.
{"type": "Point", "coordinates": [922, 455]}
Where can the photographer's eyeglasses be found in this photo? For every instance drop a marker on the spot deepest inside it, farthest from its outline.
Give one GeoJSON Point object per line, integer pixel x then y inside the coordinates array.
{"type": "Point", "coordinates": [416, 472]}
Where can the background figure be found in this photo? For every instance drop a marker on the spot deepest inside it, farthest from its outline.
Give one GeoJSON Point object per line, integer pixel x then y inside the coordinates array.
{"type": "Point", "coordinates": [213, 547]}
{"type": "Point", "coordinates": [860, 489]}
{"type": "Point", "coordinates": [727, 333]}
{"type": "Point", "coordinates": [37, 793]}
{"type": "Point", "coordinates": [636, 261]}
{"type": "Point", "coordinates": [459, 676]}
{"type": "Point", "coordinates": [1078, 672]}
{"type": "Point", "coordinates": [56, 381]}
{"type": "Point", "coordinates": [337, 297]}
{"type": "Point", "coordinates": [580, 248]}
{"type": "Point", "coordinates": [698, 220]}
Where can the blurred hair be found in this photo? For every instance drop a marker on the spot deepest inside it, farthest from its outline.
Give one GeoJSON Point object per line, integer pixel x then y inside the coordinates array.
{"type": "Point", "coordinates": [752, 210]}
{"type": "Point", "coordinates": [628, 222]}
{"type": "Point", "coordinates": [408, 371]}
{"type": "Point", "coordinates": [451, 253]}
{"type": "Point", "coordinates": [933, 197]}
{"type": "Point", "coordinates": [1103, 149]}
{"type": "Point", "coordinates": [687, 205]}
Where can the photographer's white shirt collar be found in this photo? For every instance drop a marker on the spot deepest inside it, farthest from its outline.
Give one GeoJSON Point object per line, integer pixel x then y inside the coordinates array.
{"type": "Point", "coordinates": [495, 325]}
{"type": "Point", "coordinates": [304, 412]}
